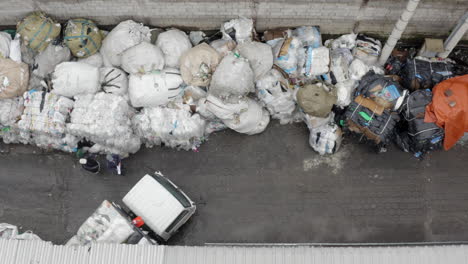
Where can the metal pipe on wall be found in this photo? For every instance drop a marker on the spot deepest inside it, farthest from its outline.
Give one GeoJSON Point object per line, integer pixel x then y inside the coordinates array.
{"type": "Point", "coordinates": [399, 28]}
{"type": "Point", "coordinates": [457, 33]}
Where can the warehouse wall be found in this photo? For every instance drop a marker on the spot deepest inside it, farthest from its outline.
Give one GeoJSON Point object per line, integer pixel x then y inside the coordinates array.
{"type": "Point", "coordinates": [334, 16]}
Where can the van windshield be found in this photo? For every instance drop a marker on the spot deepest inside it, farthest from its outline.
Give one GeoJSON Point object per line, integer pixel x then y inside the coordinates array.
{"type": "Point", "coordinates": [171, 189]}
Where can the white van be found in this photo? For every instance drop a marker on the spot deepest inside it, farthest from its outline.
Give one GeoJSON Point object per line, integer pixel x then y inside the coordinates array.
{"type": "Point", "coordinates": [161, 204]}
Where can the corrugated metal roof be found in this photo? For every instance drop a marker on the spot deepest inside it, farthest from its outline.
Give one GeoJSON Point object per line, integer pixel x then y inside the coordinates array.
{"type": "Point", "coordinates": [40, 252]}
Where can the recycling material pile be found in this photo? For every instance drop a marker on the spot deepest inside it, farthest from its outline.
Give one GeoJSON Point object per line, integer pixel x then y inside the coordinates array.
{"type": "Point", "coordinates": [134, 85]}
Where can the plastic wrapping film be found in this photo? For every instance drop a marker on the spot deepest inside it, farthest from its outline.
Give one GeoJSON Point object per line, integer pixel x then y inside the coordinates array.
{"type": "Point", "coordinates": [142, 58]}
{"type": "Point", "coordinates": [105, 225]}
{"type": "Point", "coordinates": [8, 231]}
{"type": "Point", "coordinates": [43, 122]}
{"type": "Point", "coordinates": [10, 112]}
{"type": "Point", "coordinates": [104, 119]}
{"type": "Point", "coordinates": [345, 92]}
{"type": "Point", "coordinates": [125, 35]}
{"type": "Point", "coordinates": [340, 60]}
{"type": "Point", "coordinates": [317, 61]}
{"type": "Point", "coordinates": [309, 36]}
{"type": "Point", "coordinates": [240, 29]}
{"type": "Point", "coordinates": [347, 41]}
{"type": "Point", "coordinates": [233, 76]}
{"type": "Point", "coordinates": [173, 44]}
{"type": "Point", "coordinates": [260, 56]}
{"type": "Point", "coordinates": [357, 69]}
{"type": "Point", "coordinates": [288, 55]}
{"type": "Point", "coordinates": [45, 62]}
{"type": "Point", "coordinates": [75, 78]}
{"type": "Point", "coordinates": [274, 92]}
{"type": "Point", "coordinates": [174, 127]}
{"type": "Point", "coordinates": [325, 135]}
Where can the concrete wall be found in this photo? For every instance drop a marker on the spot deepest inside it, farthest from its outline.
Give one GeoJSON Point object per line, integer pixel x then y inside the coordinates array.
{"type": "Point", "coordinates": [433, 17]}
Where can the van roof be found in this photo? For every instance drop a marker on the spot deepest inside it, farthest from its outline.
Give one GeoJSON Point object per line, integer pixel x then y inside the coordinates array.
{"type": "Point", "coordinates": [153, 203]}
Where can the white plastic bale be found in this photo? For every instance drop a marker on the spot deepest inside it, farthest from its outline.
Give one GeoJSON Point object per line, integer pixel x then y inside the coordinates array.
{"type": "Point", "coordinates": [125, 35]}
{"type": "Point", "coordinates": [94, 60]}
{"type": "Point", "coordinates": [43, 122]}
{"type": "Point", "coordinates": [45, 62]}
{"type": "Point", "coordinates": [155, 89]}
{"type": "Point", "coordinates": [344, 92]}
{"type": "Point", "coordinates": [142, 58]}
{"type": "Point", "coordinates": [233, 76]}
{"type": "Point", "coordinates": [308, 35]}
{"type": "Point", "coordinates": [5, 42]}
{"type": "Point", "coordinates": [244, 116]}
{"type": "Point", "coordinates": [274, 92]}
{"type": "Point", "coordinates": [104, 119]}
{"type": "Point", "coordinates": [340, 60]}
{"type": "Point", "coordinates": [241, 28]}
{"type": "Point", "coordinates": [223, 46]}
{"type": "Point", "coordinates": [173, 44]}
{"type": "Point", "coordinates": [198, 64]}
{"type": "Point", "coordinates": [317, 61]}
{"type": "Point", "coordinates": [10, 110]}
{"type": "Point", "coordinates": [114, 81]}
{"type": "Point", "coordinates": [288, 55]}
{"type": "Point", "coordinates": [260, 56]}
{"type": "Point", "coordinates": [175, 128]}
{"type": "Point", "coordinates": [325, 136]}
{"type": "Point", "coordinates": [74, 78]}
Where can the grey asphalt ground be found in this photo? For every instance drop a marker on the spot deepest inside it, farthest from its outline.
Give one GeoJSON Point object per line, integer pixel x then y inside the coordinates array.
{"type": "Point", "coordinates": [267, 188]}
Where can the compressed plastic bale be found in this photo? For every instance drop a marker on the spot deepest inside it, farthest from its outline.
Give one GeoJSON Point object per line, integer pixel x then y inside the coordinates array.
{"type": "Point", "coordinates": [274, 92]}
{"type": "Point", "coordinates": [14, 78]}
{"type": "Point", "coordinates": [113, 80]}
{"type": "Point", "coordinates": [316, 99]}
{"type": "Point", "coordinates": [104, 119]}
{"type": "Point", "coordinates": [94, 60]}
{"type": "Point", "coordinates": [424, 73]}
{"type": "Point", "coordinates": [46, 61]}
{"type": "Point", "coordinates": [367, 49]}
{"type": "Point", "coordinates": [287, 54]}
{"type": "Point", "coordinates": [347, 41]}
{"type": "Point", "coordinates": [175, 128]}
{"type": "Point", "coordinates": [223, 46]}
{"type": "Point", "coordinates": [37, 31]}
{"type": "Point", "coordinates": [244, 116]}
{"type": "Point", "coordinates": [10, 110]}
{"type": "Point", "coordinates": [233, 76]}
{"type": "Point", "coordinates": [317, 61]}
{"type": "Point", "coordinates": [142, 58]}
{"type": "Point", "coordinates": [5, 42]}
{"type": "Point", "coordinates": [344, 92]}
{"type": "Point", "coordinates": [73, 78]}
{"type": "Point", "coordinates": [260, 56]}
{"type": "Point", "coordinates": [125, 35]}
{"type": "Point", "coordinates": [173, 44]}
{"type": "Point", "coordinates": [340, 60]}
{"type": "Point", "coordinates": [309, 36]}
{"type": "Point", "coordinates": [240, 29]}
{"type": "Point", "coordinates": [154, 89]}
{"type": "Point", "coordinates": [325, 135]}
{"type": "Point", "coordinates": [198, 64]}
{"type": "Point", "coordinates": [82, 37]}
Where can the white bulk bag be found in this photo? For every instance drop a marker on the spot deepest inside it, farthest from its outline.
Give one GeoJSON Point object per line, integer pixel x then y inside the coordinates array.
{"type": "Point", "coordinates": [241, 28]}
{"type": "Point", "coordinates": [113, 80]}
{"type": "Point", "coordinates": [198, 64]}
{"type": "Point", "coordinates": [325, 136]}
{"type": "Point", "coordinates": [94, 60]}
{"type": "Point", "coordinates": [74, 78]}
{"type": "Point", "coordinates": [173, 44]}
{"type": "Point", "coordinates": [317, 61]}
{"type": "Point", "coordinates": [233, 76]}
{"type": "Point", "coordinates": [154, 89]}
{"type": "Point", "coordinates": [142, 58]}
{"type": "Point", "coordinates": [45, 62]}
{"type": "Point", "coordinates": [260, 56]}
{"type": "Point", "coordinates": [125, 35]}
{"type": "Point", "coordinates": [5, 42]}
{"type": "Point", "coordinates": [278, 98]}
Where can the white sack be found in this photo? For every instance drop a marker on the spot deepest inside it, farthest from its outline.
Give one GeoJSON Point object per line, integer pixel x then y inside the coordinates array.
{"type": "Point", "coordinates": [317, 61]}
{"type": "Point", "coordinates": [173, 44]}
{"type": "Point", "coordinates": [15, 48]}
{"type": "Point", "coordinates": [154, 89]}
{"type": "Point", "coordinates": [94, 60]}
{"type": "Point", "coordinates": [344, 92]}
{"type": "Point", "coordinates": [74, 78]}
{"type": "Point", "coordinates": [198, 64]}
{"type": "Point", "coordinates": [125, 35]}
{"type": "Point", "coordinates": [114, 81]}
{"type": "Point", "coordinates": [5, 42]}
{"type": "Point", "coordinates": [10, 110]}
{"type": "Point", "coordinates": [273, 90]}
{"type": "Point", "coordinates": [288, 54]}
{"type": "Point", "coordinates": [233, 76]}
{"type": "Point", "coordinates": [241, 28]}
{"type": "Point", "coordinates": [142, 58]}
{"type": "Point", "coordinates": [45, 62]}
{"type": "Point", "coordinates": [104, 119]}
{"type": "Point", "coordinates": [245, 116]}
{"type": "Point", "coordinates": [308, 35]}
{"type": "Point", "coordinates": [260, 56]}
{"type": "Point", "coordinates": [325, 136]}
{"type": "Point", "coordinates": [223, 46]}
{"type": "Point", "coordinates": [175, 128]}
